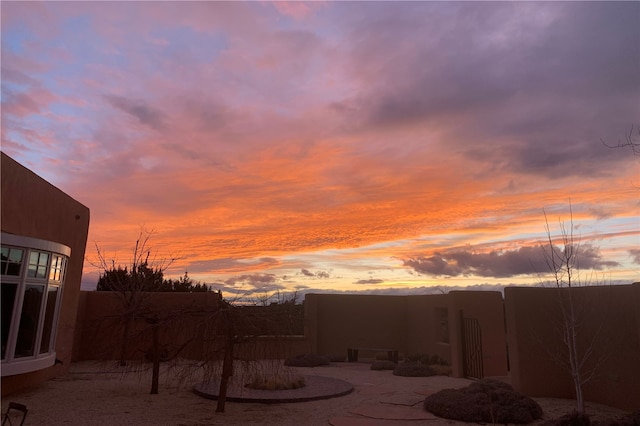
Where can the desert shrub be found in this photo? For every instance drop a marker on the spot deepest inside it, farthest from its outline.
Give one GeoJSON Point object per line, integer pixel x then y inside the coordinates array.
{"type": "Point", "coordinates": [421, 358]}
{"type": "Point", "coordinates": [630, 419]}
{"type": "Point", "coordinates": [634, 418]}
{"type": "Point", "coordinates": [337, 358]}
{"type": "Point", "coordinates": [436, 360]}
{"type": "Point", "coordinates": [572, 419]}
{"type": "Point", "coordinates": [488, 401]}
{"type": "Point", "coordinates": [441, 370]}
{"type": "Point", "coordinates": [426, 359]}
{"type": "Point", "coordinates": [307, 360]}
{"type": "Point", "coordinates": [413, 369]}
{"type": "Point", "coordinates": [383, 364]}
{"type": "Point", "coordinates": [276, 382]}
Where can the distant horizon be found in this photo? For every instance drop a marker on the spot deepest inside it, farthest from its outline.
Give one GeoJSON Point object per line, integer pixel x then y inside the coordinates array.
{"type": "Point", "coordinates": [340, 146]}
{"type": "Point", "coordinates": [261, 298]}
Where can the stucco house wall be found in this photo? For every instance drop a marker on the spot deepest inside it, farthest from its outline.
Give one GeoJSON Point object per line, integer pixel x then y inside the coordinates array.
{"type": "Point", "coordinates": [32, 207]}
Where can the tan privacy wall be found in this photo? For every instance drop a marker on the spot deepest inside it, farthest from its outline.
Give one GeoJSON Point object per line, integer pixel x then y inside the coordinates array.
{"type": "Point", "coordinates": [488, 308]}
{"type": "Point", "coordinates": [185, 331]}
{"type": "Point", "coordinates": [429, 324]}
{"type": "Point", "coordinates": [608, 321]}
{"type": "Point", "coordinates": [336, 322]}
{"type": "Point", "coordinates": [32, 207]}
{"type": "Point", "coordinates": [427, 331]}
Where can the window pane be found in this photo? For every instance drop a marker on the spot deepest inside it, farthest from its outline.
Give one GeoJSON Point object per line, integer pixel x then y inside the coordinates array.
{"type": "Point", "coordinates": [52, 298]}
{"type": "Point", "coordinates": [442, 325]}
{"type": "Point", "coordinates": [11, 261]}
{"type": "Point", "coordinates": [38, 264]}
{"type": "Point", "coordinates": [42, 272]}
{"type": "Point", "coordinates": [29, 318]}
{"type": "Point", "coordinates": [33, 264]}
{"type": "Point", "coordinates": [15, 255]}
{"type": "Point", "coordinates": [5, 259]}
{"type": "Point", "coordinates": [56, 268]}
{"type": "Point", "coordinates": [54, 264]}
{"type": "Point", "coordinates": [8, 299]}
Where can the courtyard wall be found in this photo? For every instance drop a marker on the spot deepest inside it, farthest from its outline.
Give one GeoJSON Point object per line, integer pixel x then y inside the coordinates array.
{"type": "Point", "coordinates": [609, 322]}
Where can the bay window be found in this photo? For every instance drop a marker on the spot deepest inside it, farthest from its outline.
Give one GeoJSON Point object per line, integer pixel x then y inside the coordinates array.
{"type": "Point", "coordinates": [32, 273]}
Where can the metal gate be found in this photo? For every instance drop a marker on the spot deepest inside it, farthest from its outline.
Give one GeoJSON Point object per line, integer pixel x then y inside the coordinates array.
{"type": "Point", "coordinates": [471, 348]}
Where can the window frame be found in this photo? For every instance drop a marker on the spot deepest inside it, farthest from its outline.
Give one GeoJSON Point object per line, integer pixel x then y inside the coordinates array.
{"type": "Point", "coordinates": [442, 325]}
{"type": "Point", "coordinates": [12, 364]}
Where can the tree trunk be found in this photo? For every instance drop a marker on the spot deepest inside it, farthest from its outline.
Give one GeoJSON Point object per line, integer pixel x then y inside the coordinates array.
{"type": "Point", "coordinates": [125, 341]}
{"type": "Point", "coordinates": [227, 366]}
{"type": "Point", "coordinates": [155, 375]}
{"type": "Point", "coordinates": [574, 360]}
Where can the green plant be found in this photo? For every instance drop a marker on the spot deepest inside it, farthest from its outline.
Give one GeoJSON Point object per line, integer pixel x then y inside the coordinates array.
{"type": "Point", "coordinates": [413, 369]}
{"type": "Point", "coordinates": [307, 360]}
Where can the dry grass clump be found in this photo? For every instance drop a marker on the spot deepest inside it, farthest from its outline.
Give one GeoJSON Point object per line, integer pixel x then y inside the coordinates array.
{"type": "Point", "coordinates": [572, 419]}
{"type": "Point", "coordinates": [413, 369]}
{"type": "Point", "coordinates": [384, 364]}
{"type": "Point", "coordinates": [577, 419]}
{"type": "Point", "coordinates": [631, 419]}
{"type": "Point", "coordinates": [307, 360]}
{"type": "Point", "coordinates": [276, 382]}
{"type": "Point", "coordinates": [487, 401]}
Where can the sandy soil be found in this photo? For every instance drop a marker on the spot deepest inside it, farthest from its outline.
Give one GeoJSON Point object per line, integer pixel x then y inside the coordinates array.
{"type": "Point", "coordinates": [99, 394]}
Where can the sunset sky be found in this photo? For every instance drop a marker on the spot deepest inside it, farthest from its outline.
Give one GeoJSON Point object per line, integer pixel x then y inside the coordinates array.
{"type": "Point", "coordinates": [334, 146]}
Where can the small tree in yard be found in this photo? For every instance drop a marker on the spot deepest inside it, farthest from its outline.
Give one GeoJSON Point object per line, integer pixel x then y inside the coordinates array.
{"type": "Point", "coordinates": [219, 328]}
{"type": "Point", "coordinates": [131, 284]}
{"type": "Point", "coordinates": [229, 334]}
{"type": "Point", "coordinates": [579, 351]}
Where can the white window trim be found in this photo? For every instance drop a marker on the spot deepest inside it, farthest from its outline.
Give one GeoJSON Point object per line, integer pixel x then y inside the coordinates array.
{"type": "Point", "coordinates": [12, 365]}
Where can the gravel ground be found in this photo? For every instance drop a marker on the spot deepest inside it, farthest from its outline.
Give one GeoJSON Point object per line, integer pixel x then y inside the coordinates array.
{"type": "Point", "coordinates": [99, 394]}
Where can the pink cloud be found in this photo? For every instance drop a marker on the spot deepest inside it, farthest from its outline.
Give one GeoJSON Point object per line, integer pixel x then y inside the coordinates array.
{"type": "Point", "coordinates": [296, 9]}
{"type": "Point", "coordinates": [240, 135]}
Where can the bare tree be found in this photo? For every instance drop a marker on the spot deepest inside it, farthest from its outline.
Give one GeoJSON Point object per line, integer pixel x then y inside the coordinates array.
{"type": "Point", "coordinates": [162, 334]}
{"type": "Point", "coordinates": [580, 355]}
{"type": "Point", "coordinates": [631, 140]}
{"type": "Point", "coordinates": [232, 334]}
{"type": "Point", "coordinates": [132, 283]}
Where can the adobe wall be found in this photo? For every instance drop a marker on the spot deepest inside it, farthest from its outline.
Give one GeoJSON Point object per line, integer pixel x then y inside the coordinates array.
{"type": "Point", "coordinates": [488, 308]}
{"type": "Point", "coordinates": [99, 333]}
{"type": "Point", "coordinates": [422, 328]}
{"type": "Point", "coordinates": [32, 207]}
{"type": "Point", "coordinates": [336, 322]}
{"type": "Point", "coordinates": [609, 312]}
{"type": "Point", "coordinates": [409, 324]}
{"type": "Point", "coordinates": [100, 324]}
